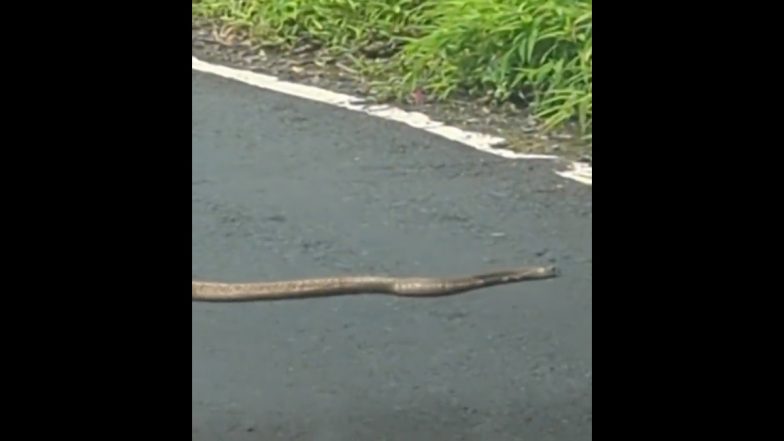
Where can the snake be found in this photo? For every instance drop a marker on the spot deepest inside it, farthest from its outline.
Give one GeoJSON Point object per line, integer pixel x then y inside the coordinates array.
{"type": "Point", "coordinates": [212, 291]}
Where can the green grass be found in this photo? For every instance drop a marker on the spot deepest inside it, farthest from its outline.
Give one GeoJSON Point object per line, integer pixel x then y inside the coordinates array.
{"type": "Point", "coordinates": [540, 50]}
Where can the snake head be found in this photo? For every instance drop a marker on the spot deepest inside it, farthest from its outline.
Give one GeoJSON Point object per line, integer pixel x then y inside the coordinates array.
{"type": "Point", "coordinates": [551, 270]}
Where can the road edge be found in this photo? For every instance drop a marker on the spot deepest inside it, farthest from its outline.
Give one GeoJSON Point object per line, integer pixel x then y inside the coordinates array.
{"type": "Point", "coordinates": [578, 172]}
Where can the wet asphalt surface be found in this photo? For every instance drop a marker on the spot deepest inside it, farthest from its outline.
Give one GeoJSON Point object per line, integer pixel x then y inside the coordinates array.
{"type": "Point", "coordinates": [285, 188]}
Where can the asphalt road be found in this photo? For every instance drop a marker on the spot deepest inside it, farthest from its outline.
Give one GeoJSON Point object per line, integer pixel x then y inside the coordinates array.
{"type": "Point", "coordinates": [285, 188]}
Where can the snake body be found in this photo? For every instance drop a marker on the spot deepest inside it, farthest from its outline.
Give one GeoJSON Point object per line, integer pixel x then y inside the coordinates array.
{"type": "Point", "coordinates": [203, 291]}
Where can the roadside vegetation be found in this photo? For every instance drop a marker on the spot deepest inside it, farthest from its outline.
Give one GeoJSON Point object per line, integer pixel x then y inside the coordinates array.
{"type": "Point", "coordinates": [536, 53]}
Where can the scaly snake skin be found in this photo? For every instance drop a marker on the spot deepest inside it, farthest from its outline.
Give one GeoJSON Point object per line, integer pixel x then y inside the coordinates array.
{"type": "Point", "coordinates": [335, 286]}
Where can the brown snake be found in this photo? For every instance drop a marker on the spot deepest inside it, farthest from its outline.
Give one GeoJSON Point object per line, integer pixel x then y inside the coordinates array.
{"type": "Point", "coordinates": [335, 286]}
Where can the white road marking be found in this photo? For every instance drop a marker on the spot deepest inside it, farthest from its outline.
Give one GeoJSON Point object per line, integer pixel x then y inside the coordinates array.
{"type": "Point", "coordinates": [482, 142]}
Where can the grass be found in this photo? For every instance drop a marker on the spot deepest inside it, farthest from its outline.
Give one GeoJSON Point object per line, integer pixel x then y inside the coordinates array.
{"type": "Point", "coordinates": [538, 52]}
